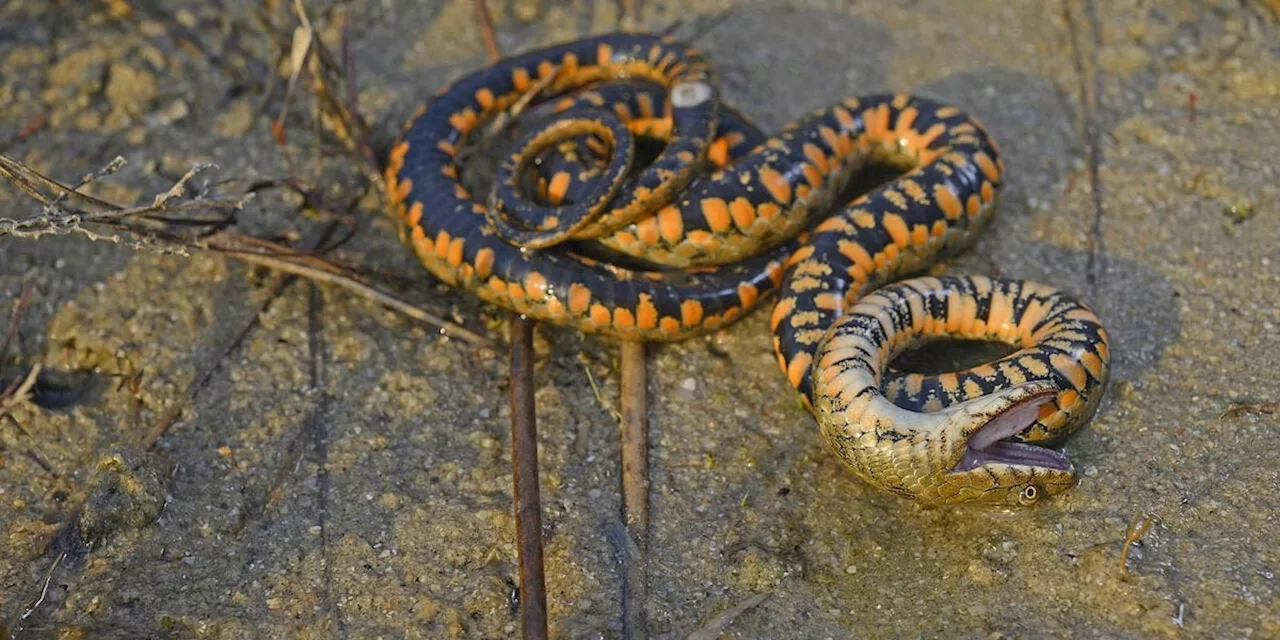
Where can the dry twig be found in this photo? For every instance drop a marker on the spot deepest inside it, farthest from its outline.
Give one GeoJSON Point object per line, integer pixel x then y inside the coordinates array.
{"type": "Point", "coordinates": [44, 591]}
{"type": "Point", "coordinates": [67, 210]}
{"type": "Point", "coordinates": [1246, 408]}
{"type": "Point", "coordinates": [524, 434]}
{"type": "Point", "coordinates": [524, 474]}
{"type": "Point", "coordinates": [635, 483]}
{"type": "Point", "coordinates": [486, 30]}
{"type": "Point", "coordinates": [311, 60]}
{"type": "Point", "coordinates": [16, 394]}
{"type": "Point", "coordinates": [595, 389]}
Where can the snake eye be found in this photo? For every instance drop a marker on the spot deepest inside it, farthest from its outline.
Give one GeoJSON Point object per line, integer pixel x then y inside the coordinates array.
{"type": "Point", "coordinates": [1029, 495]}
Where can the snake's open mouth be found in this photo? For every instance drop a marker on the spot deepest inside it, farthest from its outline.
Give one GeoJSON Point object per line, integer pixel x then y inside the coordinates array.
{"type": "Point", "coordinates": [990, 445]}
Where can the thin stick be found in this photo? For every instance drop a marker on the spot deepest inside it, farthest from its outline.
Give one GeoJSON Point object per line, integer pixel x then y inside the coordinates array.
{"type": "Point", "coordinates": [66, 209]}
{"type": "Point", "coordinates": [635, 439]}
{"type": "Point", "coordinates": [524, 470]}
{"type": "Point", "coordinates": [44, 592]}
{"type": "Point", "coordinates": [635, 484]}
{"type": "Point", "coordinates": [1244, 408]}
{"type": "Point", "coordinates": [366, 291]}
{"type": "Point", "coordinates": [486, 29]}
{"type": "Point", "coordinates": [524, 443]}
{"type": "Point", "coordinates": [8, 399]}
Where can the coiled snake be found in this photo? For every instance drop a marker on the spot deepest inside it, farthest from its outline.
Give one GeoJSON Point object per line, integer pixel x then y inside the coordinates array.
{"type": "Point", "coordinates": [731, 216]}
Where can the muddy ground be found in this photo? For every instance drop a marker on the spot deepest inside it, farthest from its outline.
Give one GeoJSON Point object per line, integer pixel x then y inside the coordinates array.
{"type": "Point", "coordinates": [344, 472]}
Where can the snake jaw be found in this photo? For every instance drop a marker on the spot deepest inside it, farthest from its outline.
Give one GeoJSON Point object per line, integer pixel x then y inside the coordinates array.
{"type": "Point", "coordinates": [992, 460]}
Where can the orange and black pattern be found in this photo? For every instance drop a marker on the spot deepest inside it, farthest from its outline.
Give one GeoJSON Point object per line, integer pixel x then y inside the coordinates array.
{"type": "Point", "coordinates": [447, 228]}
{"type": "Point", "coordinates": [724, 215]}
{"type": "Point", "coordinates": [576, 168]}
{"type": "Point", "coordinates": [738, 226]}
{"type": "Point", "coordinates": [1058, 338]}
{"type": "Point", "coordinates": [966, 435]}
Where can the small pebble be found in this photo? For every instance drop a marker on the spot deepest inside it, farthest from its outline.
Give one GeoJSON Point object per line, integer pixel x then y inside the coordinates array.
{"type": "Point", "coordinates": [689, 384]}
{"type": "Point", "coordinates": [851, 569]}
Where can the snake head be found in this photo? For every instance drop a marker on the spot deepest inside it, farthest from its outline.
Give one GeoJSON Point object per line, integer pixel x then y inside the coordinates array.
{"type": "Point", "coordinates": [967, 452]}
{"type": "Point", "coordinates": [994, 466]}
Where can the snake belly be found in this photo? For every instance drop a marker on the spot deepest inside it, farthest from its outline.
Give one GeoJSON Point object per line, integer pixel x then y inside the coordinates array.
{"type": "Point", "coordinates": [724, 217]}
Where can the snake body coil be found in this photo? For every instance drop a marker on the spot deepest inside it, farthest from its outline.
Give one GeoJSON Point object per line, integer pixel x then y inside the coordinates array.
{"type": "Point", "coordinates": [727, 216]}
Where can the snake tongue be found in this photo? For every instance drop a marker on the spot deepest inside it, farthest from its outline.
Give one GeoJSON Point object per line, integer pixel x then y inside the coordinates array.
{"type": "Point", "coordinates": [1015, 454]}
{"type": "Point", "coordinates": [990, 443]}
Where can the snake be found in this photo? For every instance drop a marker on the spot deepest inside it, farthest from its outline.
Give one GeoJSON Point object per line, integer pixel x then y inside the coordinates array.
{"type": "Point", "coordinates": [579, 230]}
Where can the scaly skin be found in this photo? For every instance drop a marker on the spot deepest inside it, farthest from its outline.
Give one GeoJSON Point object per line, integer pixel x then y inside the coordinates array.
{"type": "Point", "coordinates": [1044, 391]}
{"type": "Point", "coordinates": [725, 217]}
